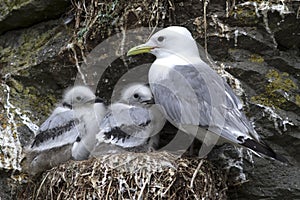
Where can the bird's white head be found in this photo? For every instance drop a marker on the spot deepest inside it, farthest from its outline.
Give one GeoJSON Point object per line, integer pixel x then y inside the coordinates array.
{"type": "Point", "coordinates": [169, 41]}
{"type": "Point", "coordinates": [79, 95]}
{"type": "Point", "coordinates": [137, 93]}
{"type": "Point", "coordinates": [179, 30]}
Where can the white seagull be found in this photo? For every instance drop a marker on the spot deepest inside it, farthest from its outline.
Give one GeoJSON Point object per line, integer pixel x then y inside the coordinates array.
{"type": "Point", "coordinates": [74, 119]}
{"type": "Point", "coordinates": [194, 97]}
{"type": "Point", "coordinates": [131, 124]}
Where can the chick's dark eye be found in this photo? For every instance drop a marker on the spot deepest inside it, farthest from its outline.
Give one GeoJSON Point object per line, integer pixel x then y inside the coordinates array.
{"type": "Point", "coordinates": [136, 95]}
{"type": "Point", "coordinates": [160, 38]}
{"type": "Point", "coordinates": [78, 98]}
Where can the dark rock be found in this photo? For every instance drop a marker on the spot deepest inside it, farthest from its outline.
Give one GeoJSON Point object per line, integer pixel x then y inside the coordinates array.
{"type": "Point", "coordinates": [283, 185]}
{"type": "Point", "coordinates": [26, 135]}
{"type": "Point", "coordinates": [15, 15]}
{"type": "Point", "coordinates": [32, 66]}
{"type": "Point", "coordinates": [6, 191]}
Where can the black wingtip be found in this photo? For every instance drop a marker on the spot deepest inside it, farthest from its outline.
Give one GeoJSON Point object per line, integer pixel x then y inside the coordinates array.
{"type": "Point", "coordinates": [264, 149]}
{"type": "Point", "coordinates": [33, 144]}
{"type": "Point", "coordinates": [116, 133]}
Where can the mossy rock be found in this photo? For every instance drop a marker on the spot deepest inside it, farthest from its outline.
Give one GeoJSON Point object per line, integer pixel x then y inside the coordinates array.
{"type": "Point", "coordinates": [23, 13]}
{"type": "Point", "coordinates": [279, 92]}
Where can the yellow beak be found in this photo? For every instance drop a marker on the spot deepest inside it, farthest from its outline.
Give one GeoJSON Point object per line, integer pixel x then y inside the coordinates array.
{"type": "Point", "coordinates": [139, 49]}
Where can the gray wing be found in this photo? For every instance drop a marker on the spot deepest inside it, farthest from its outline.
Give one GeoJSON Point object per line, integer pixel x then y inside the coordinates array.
{"type": "Point", "coordinates": [59, 117]}
{"type": "Point", "coordinates": [125, 125]}
{"type": "Point", "coordinates": [59, 129]}
{"type": "Point", "coordinates": [202, 98]}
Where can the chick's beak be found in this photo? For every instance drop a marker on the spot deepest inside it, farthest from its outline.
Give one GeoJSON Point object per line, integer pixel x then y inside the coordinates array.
{"type": "Point", "coordinates": [149, 101]}
{"type": "Point", "coordinates": [99, 100]}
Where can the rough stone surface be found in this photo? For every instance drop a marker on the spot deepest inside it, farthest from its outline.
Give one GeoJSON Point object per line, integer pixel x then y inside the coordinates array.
{"type": "Point", "coordinates": [24, 13]}
{"type": "Point", "coordinates": [257, 42]}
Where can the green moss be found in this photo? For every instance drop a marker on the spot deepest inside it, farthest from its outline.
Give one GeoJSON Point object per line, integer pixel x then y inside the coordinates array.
{"type": "Point", "coordinates": [231, 50]}
{"type": "Point", "coordinates": [3, 121]}
{"type": "Point", "coordinates": [31, 99]}
{"type": "Point", "coordinates": [16, 85]}
{"type": "Point", "coordinates": [245, 14]}
{"type": "Point", "coordinates": [8, 5]}
{"type": "Point", "coordinates": [26, 50]}
{"type": "Point", "coordinates": [278, 83]}
{"type": "Point", "coordinates": [255, 58]}
{"type": "Point", "coordinates": [297, 100]}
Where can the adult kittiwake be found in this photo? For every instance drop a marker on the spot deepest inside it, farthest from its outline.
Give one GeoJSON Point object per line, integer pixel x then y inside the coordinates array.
{"type": "Point", "coordinates": [131, 124]}
{"type": "Point", "coordinates": [75, 118]}
{"type": "Point", "coordinates": [194, 97]}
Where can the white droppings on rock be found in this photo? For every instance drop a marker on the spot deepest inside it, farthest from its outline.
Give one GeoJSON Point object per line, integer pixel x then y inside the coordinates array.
{"type": "Point", "coordinates": [224, 28]}
{"type": "Point", "coordinates": [235, 84]}
{"type": "Point", "coordinates": [236, 163]}
{"type": "Point", "coordinates": [276, 118]}
{"type": "Point", "coordinates": [263, 6]}
{"type": "Point", "coordinates": [236, 34]}
{"type": "Point", "coordinates": [11, 150]}
{"type": "Point", "coordinates": [285, 122]}
{"type": "Point", "coordinates": [262, 9]}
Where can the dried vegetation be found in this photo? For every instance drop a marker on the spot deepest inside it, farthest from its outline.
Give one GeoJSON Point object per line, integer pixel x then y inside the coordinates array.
{"type": "Point", "coordinates": [131, 176]}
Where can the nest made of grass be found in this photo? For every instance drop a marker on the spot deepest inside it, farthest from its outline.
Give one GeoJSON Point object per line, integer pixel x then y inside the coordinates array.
{"type": "Point", "coordinates": [131, 176]}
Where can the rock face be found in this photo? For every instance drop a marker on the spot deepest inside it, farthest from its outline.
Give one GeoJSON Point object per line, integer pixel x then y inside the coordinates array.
{"type": "Point", "coordinates": [257, 42]}
{"type": "Point", "coordinates": [24, 13]}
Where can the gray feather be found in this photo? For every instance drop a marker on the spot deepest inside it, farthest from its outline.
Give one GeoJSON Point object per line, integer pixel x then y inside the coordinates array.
{"type": "Point", "coordinates": [59, 129]}
{"type": "Point", "coordinates": [195, 105]}
{"type": "Point", "coordinates": [128, 121]}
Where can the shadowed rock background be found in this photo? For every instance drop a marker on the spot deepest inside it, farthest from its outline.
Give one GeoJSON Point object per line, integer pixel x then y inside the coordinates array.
{"type": "Point", "coordinates": [44, 44]}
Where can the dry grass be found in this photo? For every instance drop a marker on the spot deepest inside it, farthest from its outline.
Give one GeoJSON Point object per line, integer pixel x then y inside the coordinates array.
{"type": "Point", "coordinates": [131, 176]}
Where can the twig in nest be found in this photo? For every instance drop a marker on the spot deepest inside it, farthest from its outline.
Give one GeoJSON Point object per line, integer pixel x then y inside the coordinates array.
{"type": "Point", "coordinates": [108, 189]}
{"type": "Point", "coordinates": [168, 188]}
{"type": "Point", "coordinates": [240, 183]}
{"type": "Point", "coordinates": [195, 174]}
{"type": "Point", "coordinates": [143, 188]}
{"type": "Point", "coordinates": [40, 187]}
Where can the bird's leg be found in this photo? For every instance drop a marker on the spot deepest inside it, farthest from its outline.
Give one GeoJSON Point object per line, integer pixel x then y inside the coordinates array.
{"type": "Point", "coordinates": [191, 149]}
{"type": "Point", "coordinates": [204, 150]}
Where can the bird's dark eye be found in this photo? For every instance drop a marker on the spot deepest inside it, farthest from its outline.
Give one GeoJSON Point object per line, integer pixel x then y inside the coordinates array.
{"type": "Point", "coordinates": [160, 38]}
{"type": "Point", "coordinates": [78, 98]}
{"type": "Point", "coordinates": [136, 95]}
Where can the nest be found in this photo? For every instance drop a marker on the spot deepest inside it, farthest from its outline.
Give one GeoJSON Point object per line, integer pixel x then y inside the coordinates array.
{"type": "Point", "coordinates": [131, 176]}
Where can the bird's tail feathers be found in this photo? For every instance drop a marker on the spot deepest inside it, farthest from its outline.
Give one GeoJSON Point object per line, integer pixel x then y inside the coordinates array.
{"type": "Point", "coordinates": [264, 149]}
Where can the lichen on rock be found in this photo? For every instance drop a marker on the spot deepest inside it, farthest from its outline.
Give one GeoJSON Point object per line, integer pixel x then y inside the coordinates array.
{"type": "Point", "coordinates": [280, 89]}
